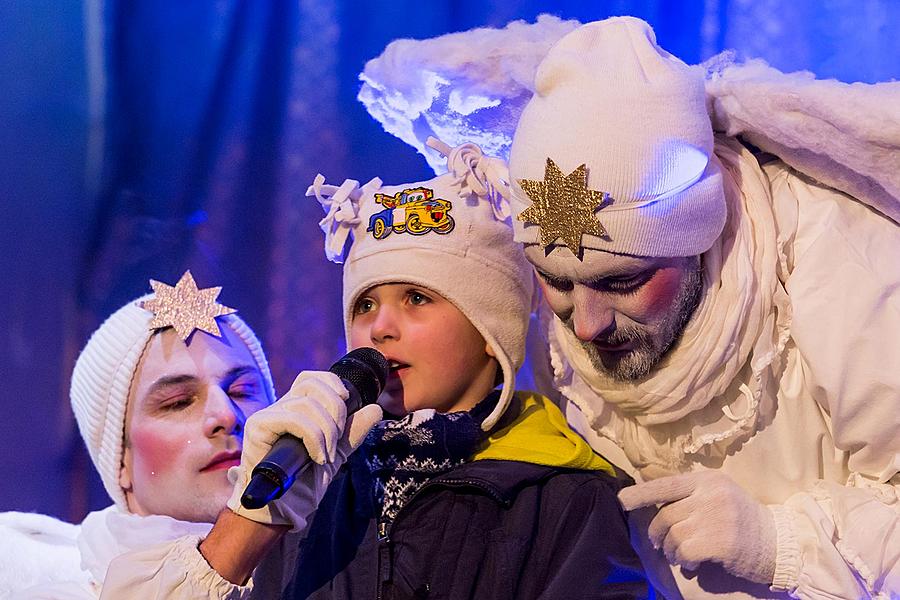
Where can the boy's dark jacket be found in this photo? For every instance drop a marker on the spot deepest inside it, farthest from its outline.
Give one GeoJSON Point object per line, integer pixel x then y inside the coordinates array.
{"type": "Point", "coordinates": [487, 529]}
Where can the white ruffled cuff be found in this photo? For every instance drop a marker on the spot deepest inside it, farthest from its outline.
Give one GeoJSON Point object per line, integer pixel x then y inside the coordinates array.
{"type": "Point", "coordinates": [201, 576]}
{"type": "Point", "coordinates": [174, 570]}
{"type": "Point", "coordinates": [787, 557]}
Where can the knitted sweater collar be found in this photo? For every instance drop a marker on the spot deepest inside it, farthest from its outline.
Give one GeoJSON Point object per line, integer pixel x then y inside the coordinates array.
{"type": "Point", "coordinates": [403, 455]}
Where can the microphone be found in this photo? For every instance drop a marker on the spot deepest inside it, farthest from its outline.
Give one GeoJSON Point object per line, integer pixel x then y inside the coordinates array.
{"type": "Point", "coordinates": [363, 372]}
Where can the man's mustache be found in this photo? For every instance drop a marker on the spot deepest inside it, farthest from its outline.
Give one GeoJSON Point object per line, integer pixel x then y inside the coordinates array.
{"type": "Point", "coordinates": [619, 335]}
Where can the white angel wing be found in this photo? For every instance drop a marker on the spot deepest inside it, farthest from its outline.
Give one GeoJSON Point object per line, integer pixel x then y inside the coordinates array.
{"type": "Point", "coordinates": [846, 136]}
{"type": "Point", "coordinates": [460, 87]}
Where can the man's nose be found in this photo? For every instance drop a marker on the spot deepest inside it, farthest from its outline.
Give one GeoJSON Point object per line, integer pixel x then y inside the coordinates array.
{"type": "Point", "coordinates": [223, 415]}
{"type": "Point", "coordinates": [592, 314]}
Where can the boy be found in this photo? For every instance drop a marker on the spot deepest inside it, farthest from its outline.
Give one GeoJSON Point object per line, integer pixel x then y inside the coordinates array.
{"type": "Point", "coordinates": [474, 493]}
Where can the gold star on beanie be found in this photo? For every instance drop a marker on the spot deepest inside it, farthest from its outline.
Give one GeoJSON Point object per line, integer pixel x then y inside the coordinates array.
{"type": "Point", "coordinates": [186, 307]}
{"type": "Point", "coordinates": [563, 206]}
{"type": "Point", "coordinates": [649, 145]}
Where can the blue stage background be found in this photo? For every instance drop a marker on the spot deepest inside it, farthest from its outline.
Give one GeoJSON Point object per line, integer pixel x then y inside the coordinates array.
{"type": "Point", "coordinates": [139, 138]}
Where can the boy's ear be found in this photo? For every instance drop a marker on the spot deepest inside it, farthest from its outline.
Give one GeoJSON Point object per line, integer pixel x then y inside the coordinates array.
{"type": "Point", "coordinates": [489, 351]}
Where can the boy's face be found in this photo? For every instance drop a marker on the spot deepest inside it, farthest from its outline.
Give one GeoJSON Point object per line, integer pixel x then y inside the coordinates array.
{"type": "Point", "coordinates": [184, 423]}
{"type": "Point", "coordinates": [438, 359]}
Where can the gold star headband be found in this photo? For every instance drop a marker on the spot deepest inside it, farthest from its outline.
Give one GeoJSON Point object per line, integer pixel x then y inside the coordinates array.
{"type": "Point", "coordinates": [563, 206]}
{"type": "Point", "coordinates": [185, 307]}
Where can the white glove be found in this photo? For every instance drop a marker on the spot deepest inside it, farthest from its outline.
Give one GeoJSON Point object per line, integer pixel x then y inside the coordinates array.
{"type": "Point", "coordinates": [314, 411]}
{"type": "Point", "coordinates": [708, 517]}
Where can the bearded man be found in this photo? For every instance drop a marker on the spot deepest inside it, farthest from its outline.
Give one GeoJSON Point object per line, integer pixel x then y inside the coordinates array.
{"type": "Point", "coordinates": [725, 327]}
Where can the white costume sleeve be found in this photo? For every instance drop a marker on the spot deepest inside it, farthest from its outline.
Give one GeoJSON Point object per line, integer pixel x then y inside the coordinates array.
{"type": "Point", "coordinates": [843, 541]}
{"type": "Point", "coordinates": [173, 571]}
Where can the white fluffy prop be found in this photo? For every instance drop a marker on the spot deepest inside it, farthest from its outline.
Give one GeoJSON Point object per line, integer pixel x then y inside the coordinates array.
{"type": "Point", "coordinates": [37, 549]}
{"type": "Point", "coordinates": [460, 87]}
{"type": "Point", "coordinates": [472, 86]}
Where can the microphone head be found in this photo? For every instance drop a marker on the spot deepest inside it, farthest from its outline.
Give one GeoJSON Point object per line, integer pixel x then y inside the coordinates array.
{"type": "Point", "coordinates": [366, 369]}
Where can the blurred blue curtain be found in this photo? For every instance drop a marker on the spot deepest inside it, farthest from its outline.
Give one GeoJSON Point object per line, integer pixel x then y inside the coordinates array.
{"type": "Point", "coordinates": [139, 139]}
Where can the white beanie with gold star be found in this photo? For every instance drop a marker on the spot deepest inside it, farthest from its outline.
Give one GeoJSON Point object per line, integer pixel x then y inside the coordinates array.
{"type": "Point", "coordinates": [103, 374]}
{"type": "Point", "coordinates": [614, 151]}
{"type": "Point", "coordinates": [450, 234]}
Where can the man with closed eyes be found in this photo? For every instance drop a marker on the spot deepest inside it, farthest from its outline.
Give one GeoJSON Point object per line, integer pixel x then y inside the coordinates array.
{"type": "Point", "coordinates": [161, 393]}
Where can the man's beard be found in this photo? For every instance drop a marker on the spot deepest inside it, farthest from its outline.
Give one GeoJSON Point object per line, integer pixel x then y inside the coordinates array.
{"type": "Point", "coordinates": [650, 343]}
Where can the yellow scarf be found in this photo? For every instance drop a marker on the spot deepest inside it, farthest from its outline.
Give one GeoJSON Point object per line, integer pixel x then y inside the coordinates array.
{"type": "Point", "coordinates": [540, 435]}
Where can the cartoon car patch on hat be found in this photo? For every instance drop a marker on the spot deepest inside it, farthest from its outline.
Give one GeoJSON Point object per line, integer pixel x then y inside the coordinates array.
{"type": "Point", "coordinates": [415, 211]}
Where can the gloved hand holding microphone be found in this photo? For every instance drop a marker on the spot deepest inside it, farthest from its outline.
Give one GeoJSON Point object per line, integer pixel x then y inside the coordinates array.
{"type": "Point", "coordinates": [315, 413]}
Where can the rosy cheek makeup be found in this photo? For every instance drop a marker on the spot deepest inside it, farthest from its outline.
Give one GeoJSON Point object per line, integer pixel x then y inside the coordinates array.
{"type": "Point", "coordinates": [155, 450]}
{"type": "Point", "coordinates": [658, 293]}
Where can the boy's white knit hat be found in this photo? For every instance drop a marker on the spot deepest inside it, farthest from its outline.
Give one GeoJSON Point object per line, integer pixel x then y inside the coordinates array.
{"type": "Point", "coordinates": [450, 234]}
{"type": "Point", "coordinates": [102, 379]}
{"type": "Point", "coordinates": [609, 98]}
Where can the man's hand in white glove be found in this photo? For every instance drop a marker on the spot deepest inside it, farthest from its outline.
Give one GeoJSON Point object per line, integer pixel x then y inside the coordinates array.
{"type": "Point", "coordinates": [315, 412]}
{"type": "Point", "coordinates": [705, 516]}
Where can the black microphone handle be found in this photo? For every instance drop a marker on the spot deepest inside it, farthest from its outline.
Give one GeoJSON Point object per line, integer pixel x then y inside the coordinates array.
{"type": "Point", "coordinates": [269, 481]}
